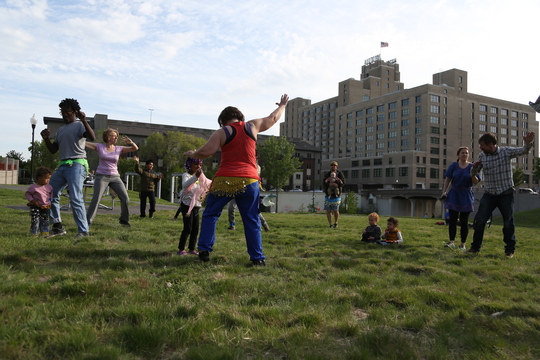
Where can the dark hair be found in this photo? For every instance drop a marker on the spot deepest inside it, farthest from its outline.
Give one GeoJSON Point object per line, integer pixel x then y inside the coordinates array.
{"type": "Point", "coordinates": [148, 162]}
{"type": "Point", "coordinates": [69, 104]}
{"type": "Point", "coordinates": [229, 114]}
{"type": "Point", "coordinates": [42, 171]}
{"type": "Point", "coordinates": [191, 161]}
{"type": "Point", "coordinates": [393, 220]}
{"type": "Point", "coordinates": [488, 138]}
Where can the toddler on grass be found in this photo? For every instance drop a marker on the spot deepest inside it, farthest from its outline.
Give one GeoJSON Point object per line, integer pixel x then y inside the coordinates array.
{"type": "Point", "coordinates": [392, 235]}
{"type": "Point", "coordinates": [372, 233]}
{"type": "Point", "coordinates": [39, 200]}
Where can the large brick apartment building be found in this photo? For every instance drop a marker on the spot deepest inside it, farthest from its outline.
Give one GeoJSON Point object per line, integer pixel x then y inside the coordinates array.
{"type": "Point", "coordinates": [386, 137]}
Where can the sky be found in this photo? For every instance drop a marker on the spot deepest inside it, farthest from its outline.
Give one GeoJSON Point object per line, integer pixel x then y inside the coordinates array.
{"type": "Point", "coordinates": [187, 60]}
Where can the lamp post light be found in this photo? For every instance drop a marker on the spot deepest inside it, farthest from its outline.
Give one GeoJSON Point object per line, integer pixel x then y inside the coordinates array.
{"type": "Point", "coordinates": [33, 121]}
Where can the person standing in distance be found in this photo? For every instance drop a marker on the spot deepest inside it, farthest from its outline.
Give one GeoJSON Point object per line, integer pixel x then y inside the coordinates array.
{"type": "Point", "coordinates": [494, 162]}
{"type": "Point", "coordinates": [148, 186]}
{"type": "Point", "coordinates": [70, 141]}
{"type": "Point", "coordinates": [331, 203]}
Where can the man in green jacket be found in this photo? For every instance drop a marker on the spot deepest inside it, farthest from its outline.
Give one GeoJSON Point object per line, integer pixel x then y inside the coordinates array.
{"type": "Point", "coordinates": [148, 186]}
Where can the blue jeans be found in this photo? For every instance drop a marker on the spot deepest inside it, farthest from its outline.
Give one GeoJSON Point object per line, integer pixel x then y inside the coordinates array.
{"type": "Point", "coordinates": [488, 203]}
{"type": "Point", "coordinates": [248, 205]}
{"type": "Point", "coordinates": [73, 176]}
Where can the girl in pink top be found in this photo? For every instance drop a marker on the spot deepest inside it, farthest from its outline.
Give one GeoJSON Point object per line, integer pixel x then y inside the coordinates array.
{"type": "Point", "coordinates": [107, 173]}
{"type": "Point", "coordinates": [39, 200]}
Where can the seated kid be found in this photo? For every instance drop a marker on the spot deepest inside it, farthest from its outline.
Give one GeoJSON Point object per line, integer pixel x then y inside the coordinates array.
{"type": "Point", "coordinates": [372, 233]}
{"type": "Point", "coordinates": [392, 235]}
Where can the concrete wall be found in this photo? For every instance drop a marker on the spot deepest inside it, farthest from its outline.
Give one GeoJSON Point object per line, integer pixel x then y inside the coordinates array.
{"type": "Point", "coordinates": [293, 201]}
{"type": "Point", "coordinates": [9, 171]}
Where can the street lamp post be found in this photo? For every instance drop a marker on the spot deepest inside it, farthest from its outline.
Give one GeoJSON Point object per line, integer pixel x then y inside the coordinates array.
{"type": "Point", "coordinates": [33, 121]}
{"type": "Point", "coordinates": [151, 110]}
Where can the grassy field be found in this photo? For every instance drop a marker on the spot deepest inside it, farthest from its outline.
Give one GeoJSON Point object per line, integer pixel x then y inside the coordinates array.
{"type": "Point", "coordinates": [124, 294]}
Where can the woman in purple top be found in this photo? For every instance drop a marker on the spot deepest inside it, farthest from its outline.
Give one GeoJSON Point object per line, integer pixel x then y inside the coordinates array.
{"type": "Point", "coordinates": [107, 173]}
{"type": "Point", "coordinates": [460, 196]}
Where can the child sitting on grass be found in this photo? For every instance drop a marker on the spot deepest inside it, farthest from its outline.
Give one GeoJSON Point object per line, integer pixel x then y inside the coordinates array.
{"type": "Point", "coordinates": [39, 201]}
{"type": "Point", "coordinates": [392, 235]}
{"type": "Point", "coordinates": [372, 233]}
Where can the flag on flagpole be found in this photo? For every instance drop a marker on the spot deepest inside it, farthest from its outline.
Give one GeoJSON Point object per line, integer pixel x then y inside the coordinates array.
{"type": "Point", "coordinates": [384, 44]}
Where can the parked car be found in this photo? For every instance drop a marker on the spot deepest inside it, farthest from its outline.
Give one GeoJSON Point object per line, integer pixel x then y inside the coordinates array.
{"type": "Point", "coordinates": [527, 191]}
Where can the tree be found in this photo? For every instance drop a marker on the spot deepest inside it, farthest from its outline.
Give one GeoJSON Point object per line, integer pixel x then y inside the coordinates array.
{"type": "Point", "coordinates": [15, 155]}
{"type": "Point", "coordinates": [279, 164]}
{"type": "Point", "coordinates": [43, 157]}
{"type": "Point", "coordinates": [169, 147]}
{"type": "Point", "coordinates": [517, 175]}
{"type": "Point", "coordinates": [536, 168]}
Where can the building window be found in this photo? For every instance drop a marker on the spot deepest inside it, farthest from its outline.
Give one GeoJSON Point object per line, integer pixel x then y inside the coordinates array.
{"type": "Point", "coordinates": [377, 173]}
{"type": "Point", "coordinates": [434, 120]}
{"type": "Point", "coordinates": [380, 108]}
{"type": "Point", "coordinates": [434, 151]}
{"type": "Point", "coordinates": [483, 108]}
{"type": "Point", "coordinates": [404, 112]}
{"type": "Point", "coordinates": [493, 110]}
{"type": "Point", "coordinates": [380, 117]}
{"type": "Point", "coordinates": [369, 129]}
{"type": "Point", "coordinates": [380, 136]}
{"type": "Point", "coordinates": [434, 161]}
{"type": "Point", "coordinates": [404, 132]}
{"type": "Point", "coordinates": [405, 102]}
{"type": "Point", "coordinates": [418, 109]}
{"type": "Point", "coordinates": [380, 145]}
{"type": "Point", "coordinates": [369, 111]}
{"type": "Point", "coordinates": [421, 172]}
{"type": "Point", "coordinates": [434, 140]}
{"type": "Point", "coordinates": [435, 98]}
{"type": "Point", "coordinates": [392, 134]}
{"type": "Point", "coordinates": [392, 144]}
{"type": "Point", "coordinates": [390, 172]}
{"type": "Point", "coordinates": [354, 174]}
{"type": "Point", "coordinates": [392, 125]}
{"type": "Point", "coordinates": [369, 120]}
{"type": "Point", "coordinates": [405, 122]}
{"type": "Point", "coordinates": [418, 130]}
{"type": "Point", "coordinates": [403, 171]}
{"type": "Point", "coordinates": [404, 143]}
{"type": "Point", "coordinates": [435, 130]}
{"type": "Point", "coordinates": [365, 173]}
{"type": "Point", "coordinates": [418, 99]}
{"type": "Point", "coordinates": [417, 141]}
{"type": "Point", "coordinates": [482, 127]}
{"type": "Point", "coordinates": [434, 173]}
{"type": "Point", "coordinates": [392, 105]}
{"type": "Point", "coordinates": [359, 122]}
{"type": "Point", "coordinates": [436, 109]}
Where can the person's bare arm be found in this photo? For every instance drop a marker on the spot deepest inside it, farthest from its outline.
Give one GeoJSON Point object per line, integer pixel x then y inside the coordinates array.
{"type": "Point", "coordinates": [260, 125]}
{"type": "Point", "coordinates": [90, 145]}
{"type": "Point", "coordinates": [88, 132]}
{"type": "Point", "coordinates": [51, 146]}
{"type": "Point", "coordinates": [210, 148]}
{"type": "Point", "coordinates": [132, 146]}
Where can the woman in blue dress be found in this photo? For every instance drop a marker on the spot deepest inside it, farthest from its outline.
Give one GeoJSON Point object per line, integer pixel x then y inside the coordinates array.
{"type": "Point", "coordinates": [457, 190]}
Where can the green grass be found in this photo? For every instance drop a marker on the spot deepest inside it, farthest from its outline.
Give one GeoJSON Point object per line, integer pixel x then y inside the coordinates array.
{"type": "Point", "coordinates": [124, 294]}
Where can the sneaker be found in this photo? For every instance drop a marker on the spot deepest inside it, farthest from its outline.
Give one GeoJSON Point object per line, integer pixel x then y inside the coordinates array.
{"type": "Point", "coordinates": [450, 245]}
{"type": "Point", "coordinates": [57, 231]}
{"type": "Point", "coordinates": [126, 223]}
{"type": "Point", "coordinates": [260, 262]}
{"type": "Point", "coordinates": [232, 227]}
{"type": "Point", "coordinates": [335, 225]}
{"type": "Point", "coordinates": [183, 252]}
{"type": "Point", "coordinates": [472, 251]}
{"type": "Point", "coordinates": [204, 255]}
{"type": "Point", "coordinates": [193, 252]}
{"type": "Point", "coordinates": [509, 255]}
{"type": "Point", "coordinates": [45, 234]}
{"type": "Point", "coordinates": [81, 235]}
{"type": "Point", "coordinates": [462, 247]}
